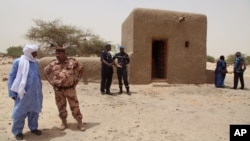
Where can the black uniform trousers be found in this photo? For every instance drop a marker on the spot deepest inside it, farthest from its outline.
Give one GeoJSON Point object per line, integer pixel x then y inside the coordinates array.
{"type": "Point", "coordinates": [106, 81]}
{"type": "Point", "coordinates": [238, 76]}
{"type": "Point", "coordinates": [122, 75]}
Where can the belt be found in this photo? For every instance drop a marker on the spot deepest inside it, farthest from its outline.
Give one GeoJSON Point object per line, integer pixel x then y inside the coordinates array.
{"type": "Point", "coordinates": [62, 88]}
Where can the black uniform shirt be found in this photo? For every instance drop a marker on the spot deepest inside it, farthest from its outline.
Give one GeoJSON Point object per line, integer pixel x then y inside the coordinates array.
{"type": "Point", "coordinates": [105, 55]}
{"type": "Point", "coordinates": [123, 59]}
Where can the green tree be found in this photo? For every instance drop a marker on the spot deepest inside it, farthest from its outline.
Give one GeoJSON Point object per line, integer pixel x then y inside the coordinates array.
{"type": "Point", "coordinates": [247, 59]}
{"type": "Point", "coordinates": [93, 46]}
{"type": "Point", "coordinates": [210, 59]}
{"type": "Point", "coordinates": [230, 59]}
{"type": "Point", "coordinates": [15, 51]}
{"type": "Point", "coordinates": [53, 33]}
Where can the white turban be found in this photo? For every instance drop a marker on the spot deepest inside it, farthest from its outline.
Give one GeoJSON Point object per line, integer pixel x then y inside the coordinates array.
{"type": "Point", "coordinates": [27, 50]}
{"type": "Point", "coordinates": [23, 69]}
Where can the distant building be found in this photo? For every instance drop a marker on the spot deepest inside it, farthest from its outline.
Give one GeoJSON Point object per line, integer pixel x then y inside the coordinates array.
{"type": "Point", "coordinates": [166, 46]}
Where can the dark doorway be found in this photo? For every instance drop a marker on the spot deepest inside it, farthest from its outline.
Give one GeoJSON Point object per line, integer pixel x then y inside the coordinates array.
{"type": "Point", "coordinates": [159, 59]}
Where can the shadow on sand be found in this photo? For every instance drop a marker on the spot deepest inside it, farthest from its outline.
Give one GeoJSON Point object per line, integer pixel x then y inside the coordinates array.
{"type": "Point", "coordinates": [55, 132]}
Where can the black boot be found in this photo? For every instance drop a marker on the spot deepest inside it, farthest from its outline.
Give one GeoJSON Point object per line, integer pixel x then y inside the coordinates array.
{"type": "Point", "coordinates": [128, 92]}
{"type": "Point", "coordinates": [120, 92]}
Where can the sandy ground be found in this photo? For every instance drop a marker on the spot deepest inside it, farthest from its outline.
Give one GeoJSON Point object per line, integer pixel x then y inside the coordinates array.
{"type": "Point", "coordinates": [154, 112]}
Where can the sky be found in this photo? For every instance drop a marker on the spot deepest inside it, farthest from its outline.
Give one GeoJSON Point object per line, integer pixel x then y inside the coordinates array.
{"type": "Point", "coordinates": [228, 21]}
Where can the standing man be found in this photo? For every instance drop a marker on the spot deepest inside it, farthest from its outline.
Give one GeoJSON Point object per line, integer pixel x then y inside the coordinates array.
{"type": "Point", "coordinates": [239, 68]}
{"type": "Point", "coordinates": [63, 74]}
{"type": "Point", "coordinates": [25, 88]}
{"type": "Point", "coordinates": [122, 74]}
{"type": "Point", "coordinates": [220, 72]}
{"type": "Point", "coordinates": [106, 69]}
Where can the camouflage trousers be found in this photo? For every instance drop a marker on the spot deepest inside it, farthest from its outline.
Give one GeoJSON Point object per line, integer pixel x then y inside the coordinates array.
{"type": "Point", "coordinates": [69, 95]}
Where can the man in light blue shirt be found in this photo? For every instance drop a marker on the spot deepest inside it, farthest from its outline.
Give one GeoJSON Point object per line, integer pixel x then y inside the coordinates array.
{"type": "Point", "coordinates": [25, 88]}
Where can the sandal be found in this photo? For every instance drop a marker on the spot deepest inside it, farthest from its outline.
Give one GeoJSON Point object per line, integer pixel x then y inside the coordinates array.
{"type": "Point", "coordinates": [19, 136]}
{"type": "Point", "coordinates": [36, 132]}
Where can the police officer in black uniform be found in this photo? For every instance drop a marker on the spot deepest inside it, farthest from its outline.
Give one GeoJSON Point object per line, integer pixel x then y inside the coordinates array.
{"type": "Point", "coordinates": [106, 69]}
{"type": "Point", "coordinates": [123, 60]}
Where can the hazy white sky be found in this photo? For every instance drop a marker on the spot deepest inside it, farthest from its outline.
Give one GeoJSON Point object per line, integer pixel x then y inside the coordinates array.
{"type": "Point", "coordinates": [228, 20]}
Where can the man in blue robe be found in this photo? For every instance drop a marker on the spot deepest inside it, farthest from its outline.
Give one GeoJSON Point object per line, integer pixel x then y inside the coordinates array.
{"type": "Point", "coordinates": [25, 88]}
{"type": "Point", "coordinates": [220, 72]}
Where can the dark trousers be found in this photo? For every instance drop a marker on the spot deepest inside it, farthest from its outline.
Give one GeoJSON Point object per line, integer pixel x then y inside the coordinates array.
{"type": "Point", "coordinates": [106, 81]}
{"type": "Point", "coordinates": [122, 75]}
{"type": "Point", "coordinates": [238, 76]}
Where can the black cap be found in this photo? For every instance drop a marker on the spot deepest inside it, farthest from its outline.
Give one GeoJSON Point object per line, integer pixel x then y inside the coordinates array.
{"type": "Point", "coordinates": [238, 54]}
{"type": "Point", "coordinates": [108, 45]}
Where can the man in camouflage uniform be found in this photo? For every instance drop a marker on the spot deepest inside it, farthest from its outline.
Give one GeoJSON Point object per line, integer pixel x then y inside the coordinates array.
{"type": "Point", "coordinates": [64, 74]}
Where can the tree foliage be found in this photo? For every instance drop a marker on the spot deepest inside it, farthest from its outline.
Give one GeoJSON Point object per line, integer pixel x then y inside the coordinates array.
{"type": "Point", "coordinates": [93, 46]}
{"type": "Point", "coordinates": [15, 51]}
{"type": "Point", "coordinates": [247, 60]}
{"type": "Point", "coordinates": [77, 41]}
{"type": "Point", "coordinates": [230, 59]}
{"type": "Point", "coordinates": [210, 59]}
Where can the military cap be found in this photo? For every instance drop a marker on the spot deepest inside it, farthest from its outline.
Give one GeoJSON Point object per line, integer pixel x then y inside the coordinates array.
{"type": "Point", "coordinates": [121, 47]}
{"type": "Point", "coordinates": [238, 54]}
{"type": "Point", "coordinates": [108, 45]}
{"type": "Point", "coordinates": [60, 49]}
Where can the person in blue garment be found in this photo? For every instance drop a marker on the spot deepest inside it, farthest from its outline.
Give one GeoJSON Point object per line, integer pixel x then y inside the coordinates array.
{"type": "Point", "coordinates": [25, 88]}
{"type": "Point", "coordinates": [220, 72]}
{"type": "Point", "coordinates": [239, 68]}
